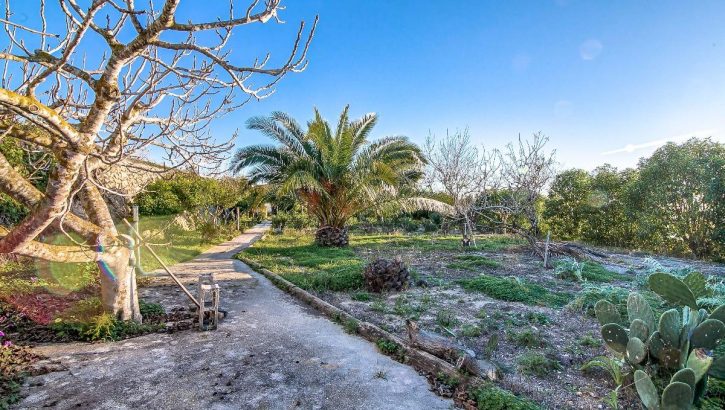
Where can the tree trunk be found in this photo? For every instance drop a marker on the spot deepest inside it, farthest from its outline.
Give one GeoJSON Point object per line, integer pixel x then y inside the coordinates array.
{"type": "Point", "coordinates": [118, 283]}
{"type": "Point", "coordinates": [332, 236]}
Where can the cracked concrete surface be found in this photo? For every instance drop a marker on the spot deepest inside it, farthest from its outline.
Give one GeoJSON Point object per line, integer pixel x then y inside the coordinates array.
{"type": "Point", "coordinates": [270, 353]}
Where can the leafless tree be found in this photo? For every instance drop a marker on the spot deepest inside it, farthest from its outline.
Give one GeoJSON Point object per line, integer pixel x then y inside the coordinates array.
{"type": "Point", "coordinates": [497, 188]}
{"type": "Point", "coordinates": [464, 172]}
{"type": "Point", "coordinates": [116, 79]}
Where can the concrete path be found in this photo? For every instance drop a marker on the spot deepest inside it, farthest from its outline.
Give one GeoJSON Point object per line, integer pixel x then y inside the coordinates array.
{"type": "Point", "coordinates": [270, 353]}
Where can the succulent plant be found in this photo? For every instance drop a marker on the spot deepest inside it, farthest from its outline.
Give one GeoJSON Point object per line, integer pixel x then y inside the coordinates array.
{"type": "Point", "coordinates": [681, 340]}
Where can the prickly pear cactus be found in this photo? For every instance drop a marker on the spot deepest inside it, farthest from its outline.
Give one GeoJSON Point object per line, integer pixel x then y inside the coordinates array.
{"type": "Point", "coordinates": [685, 375]}
{"type": "Point", "coordinates": [669, 327]}
{"type": "Point", "coordinates": [646, 390]}
{"type": "Point", "coordinates": [636, 351]}
{"type": "Point", "coordinates": [606, 313]}
{"type": "Point", "coordinates": [672, 289]}
{"type": "Point", "coordinates": [639, 309]}
{"type": "Point", "coordinates": [698, 284]}
{"type": "Point", "coordinates": [677, 396]}
{"type": "Point", "coordinates": [708, 334]}
{"type": "Point", "coordinates": [615, 337]}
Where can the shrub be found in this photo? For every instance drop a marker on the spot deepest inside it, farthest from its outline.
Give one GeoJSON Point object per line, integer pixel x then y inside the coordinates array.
{"type": "Point", "coordinates": [492, 397]}
{"type": "Point", "coordinates": [537, 364]}
{"type": "Point", "coordinates": [470, 331]}
{"type": "Point", "coordinates": [446, 318]}
{"type": "Point", "coordinates": [527, 338]}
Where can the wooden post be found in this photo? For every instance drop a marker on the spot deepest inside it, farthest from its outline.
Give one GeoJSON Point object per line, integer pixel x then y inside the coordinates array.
{"type": "Point", "coordinates": [238, 219]}
{"type": "Point", "coordinates": [546, 250]}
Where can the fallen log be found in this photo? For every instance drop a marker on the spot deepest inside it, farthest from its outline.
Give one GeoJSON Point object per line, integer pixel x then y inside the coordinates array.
{"type": "Point", "coordinates": [440, 346]}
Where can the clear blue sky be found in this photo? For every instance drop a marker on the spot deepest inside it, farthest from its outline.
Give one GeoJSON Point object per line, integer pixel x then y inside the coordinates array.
{"type": "Point", "coordinates": [594, 76]}
{"type": "Point", "coordinates": [597, 77]}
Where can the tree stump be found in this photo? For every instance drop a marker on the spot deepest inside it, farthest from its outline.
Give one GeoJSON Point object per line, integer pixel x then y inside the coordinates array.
{"type": "Point", "coordinates": [332, 236]}
{"type": "Point", "coordinates": [386, 275]}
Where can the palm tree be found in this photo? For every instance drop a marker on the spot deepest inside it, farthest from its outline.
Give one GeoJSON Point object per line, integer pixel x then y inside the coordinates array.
{"type": "Point", "coordinates": [335, 173]}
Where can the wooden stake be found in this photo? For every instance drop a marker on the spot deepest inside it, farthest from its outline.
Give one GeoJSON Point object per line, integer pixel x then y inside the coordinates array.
{"type": "Point", "coordinates": [546, 250]}
{"type": "Point", "coordinates": [163, 265]}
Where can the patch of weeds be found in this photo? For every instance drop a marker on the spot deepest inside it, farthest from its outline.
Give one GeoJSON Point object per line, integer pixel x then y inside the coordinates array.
{"type": "Point", "coordinates": [381, 374]}
{"type": "Point", "coordinates": [351, 326]}
{"type": "Point", "coordinates": [482, 314]}
{"type": "Point", "coordinates": [446, 318]}
{"type": "Point", "coordinates": [470, 331]}
{"type": "Point", "coordinates": [537, 318]}
{"type": "Point", "coordinates": [515, 290]}
{"type": "Point", "coordinates": [537, 364]}
{"type": "Point", "coordinates": [492, 397]}
{"type": "Point", "coordinates": [449, 381]}
{"type": "Point", "coordinates": [589, 341]}
{"type": "Point", "coordinates": [491, 346]}
{"type": "Point", "coordinates": [361, 296]}
{"type": "Point", "coordinates": [570, 269]}
{"type": "Point", "coordinates": [390, 348]}
{"type": "Point", "coordinates": [472, 262]}
{"type": "Point", "coordinates": [379, 306]}
{"type": "Point", "coordinates": [102, 327]}
{"type": "Point", "coordinates": [527, 338]}
{"type": "Point", "coordinates": [151, 311]}
{"type": "Point", "coordinates": [404, 308]}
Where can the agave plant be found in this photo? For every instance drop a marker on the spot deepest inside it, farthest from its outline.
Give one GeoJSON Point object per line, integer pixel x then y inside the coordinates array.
{"type": "Point", "coordinates": [335, 172]}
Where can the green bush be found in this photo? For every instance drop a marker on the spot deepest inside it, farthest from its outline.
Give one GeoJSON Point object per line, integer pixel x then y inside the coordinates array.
{"type": "Point", "coordinates": [537, 364]}
{"type": "Point", "coordinates": [492, 397]}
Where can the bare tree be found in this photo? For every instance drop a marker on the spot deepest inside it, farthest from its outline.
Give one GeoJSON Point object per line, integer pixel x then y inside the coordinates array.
{"type": "Point", "coordinates": [526, 170]}
{"type": "Point", "coordinates": [153, 87]}
{"type": "Point", "coordinates": [464, 172]}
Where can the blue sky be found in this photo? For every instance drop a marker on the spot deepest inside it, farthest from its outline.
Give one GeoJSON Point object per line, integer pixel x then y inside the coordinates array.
{"type": "Point", "coordinates": [606, 81]}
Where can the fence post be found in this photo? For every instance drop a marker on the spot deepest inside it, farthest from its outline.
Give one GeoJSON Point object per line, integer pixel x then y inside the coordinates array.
{"type": "Point", "coordinates": [238, 219]}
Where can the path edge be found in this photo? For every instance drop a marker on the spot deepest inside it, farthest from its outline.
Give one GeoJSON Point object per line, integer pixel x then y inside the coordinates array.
{"type": "Point", "coordinates": [405, 353]}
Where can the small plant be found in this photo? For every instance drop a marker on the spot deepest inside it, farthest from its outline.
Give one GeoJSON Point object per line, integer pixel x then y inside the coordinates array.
{"type": "Point", "coordinates": [446, 318]}
{"type": "Point", "coordinates": [449, 381]}
{"type": "Point", "coordinates": [381, 374]}
{"type": "Point", "coordinates": [361, 296]}
{"type": "Point", "coordinates": [612, 366]}
{"type": "Point", "coordinates": [569, 269]}
{"type": "Point", "coordinates": [527, 338]}
{"type": "Point", "coordinates": [151, 310]}
{"type": "Point", "coordinates": [537, 364]}
{"type": "Point", "coordinates": [491, 346]}
{"type": "Point", "coordinates": [491, 397]}
{"type": "Point", "coordinates": [379, 306]}
{"type": "Point", "coordinates": [589, 341]}
{"type": "Point", "coordinates": [388, 347]}
{"type": "Point", "coordinates": [537, 318]}
{"type": "Point", "coordinates": [351, 326]}
{"type": "Point", "coordinates": [470, 331]}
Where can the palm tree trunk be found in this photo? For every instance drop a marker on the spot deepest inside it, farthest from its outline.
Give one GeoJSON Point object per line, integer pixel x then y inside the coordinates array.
{"type": "Point", "coordinates": [332, 236]}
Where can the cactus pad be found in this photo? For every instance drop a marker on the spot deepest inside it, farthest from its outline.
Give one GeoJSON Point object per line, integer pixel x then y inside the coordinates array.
{"type": "Point", "coordinates": [638, 308]}
{"type": "Point", "coordinates": [699, 362]}
{"type": "Point", "coordinates": [646, 390]}
{"type": "Point", "coordinates": [708, 334]}
{"type": "Point", "coordinates": [636, 351]}
{"type": "Point", "coordinates": [672, 289]}
{"type": "Point", "coordinates": [615, 337]}
{"type": "Point", "coordinates": [655, 344]}
{"type": "Point", "coordinates": [677, 396]}
{"type": "Point", "coordinates": [685, 375]}
{"type": "Point", "coordinates": [606, 313]}
{"type": "Point", "coordinates": [718, 314]}
{"type": "Point", "coordinates": [717, 369]}
{"type": "Point", "coordinates": [639, 329]}
{"type": "Point", "coordinates": [669, 327]}
{"type": "Point", "coordinates": [698, 284]}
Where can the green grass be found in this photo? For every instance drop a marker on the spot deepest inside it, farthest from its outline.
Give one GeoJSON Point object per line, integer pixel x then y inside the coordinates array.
{"type": "Point", "coordinates": [527, 338]}
{"type": "Point", "coordinates": [294, 256]}
{"type": "Point", "coordinates": [491, 397]}
{"type": "Point", "coordinates": [537, 364]}
{"type": "Point", "coordinates": [513, 290]}
{"type": "Point", "coordinates": [570, 269]}
{"type": "Point", "coordinates": [175, 245]}
{"type": "Point", "coordinates": [472, 262]}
